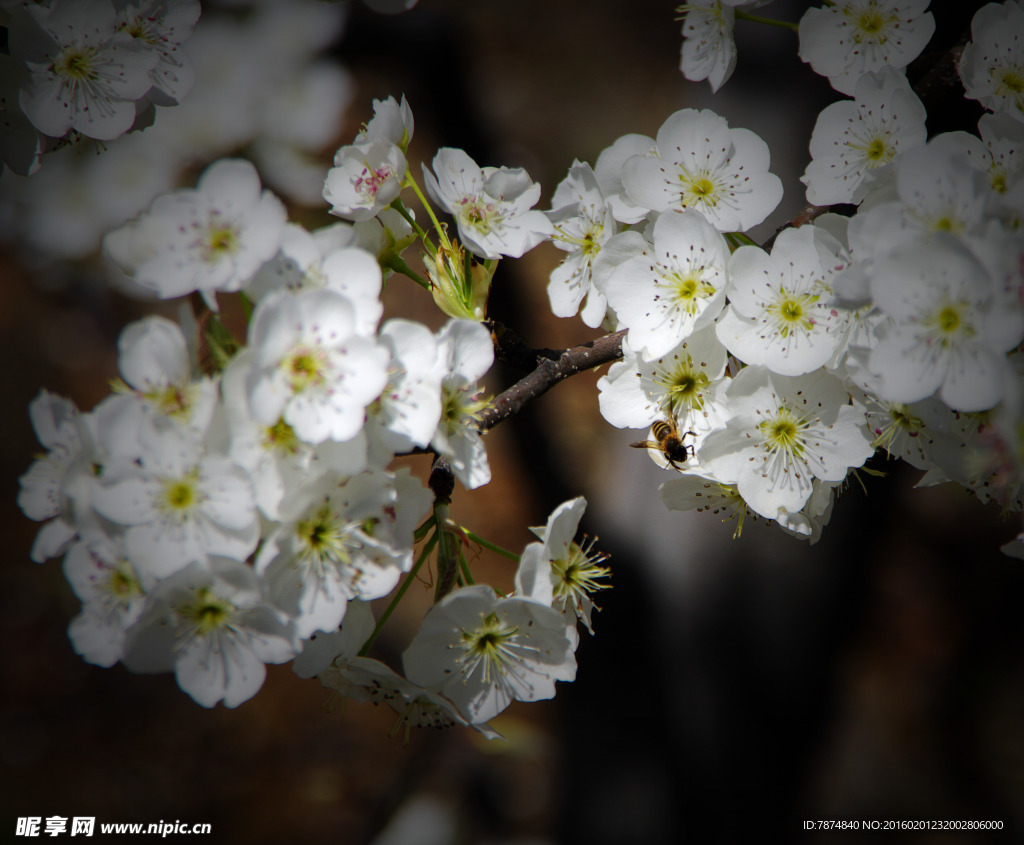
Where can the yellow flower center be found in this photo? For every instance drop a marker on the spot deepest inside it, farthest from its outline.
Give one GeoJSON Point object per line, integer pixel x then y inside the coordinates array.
{"type": "Point", "coordinates": [487, 648]}
{"type": "Point", "coordinates": [791, 312]}
{"type": "Point", "coordinates": [688, 290]}
{"type": "Point", "coordinates": [76, 64]}
{"type": "Point", "coordinates": [324, 538]}
{"type": "Point", "coordinates": [784, 433]}
{"type": "Point", "coordinates": [281, 437]}
{"type": "Point", "coordinates": [698, 190]}
{"type": "Point", "coordinates": [684, 387]}
{"type": "Point", "coordinates": [1011, 80]}
{"type": "Point", "coordinates": [180, 494]}
{"type": "Point", "coordinates": [305, 368]}
{"type": "Point", "coordinates": [220, 241]}
{"type": "Point", "coordinates": [949, 319]}
{"type": "Point", "coordinates": [207, 612]}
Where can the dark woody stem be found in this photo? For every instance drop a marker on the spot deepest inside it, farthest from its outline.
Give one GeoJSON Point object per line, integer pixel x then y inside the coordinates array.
{"type": "Point", "coordinates": [546, 368]}
{"type": "Point", "coordinates": [442, 483]}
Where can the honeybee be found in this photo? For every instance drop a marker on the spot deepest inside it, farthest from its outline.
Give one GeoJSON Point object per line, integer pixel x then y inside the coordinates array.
{"type": "Point", "coordinates": [669, 441]}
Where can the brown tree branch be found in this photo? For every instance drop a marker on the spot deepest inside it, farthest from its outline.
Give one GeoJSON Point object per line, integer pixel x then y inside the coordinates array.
{"type": "Point", "coordinates": [442, 483]}
{"type": "Point", "coordinates": [551, 367]}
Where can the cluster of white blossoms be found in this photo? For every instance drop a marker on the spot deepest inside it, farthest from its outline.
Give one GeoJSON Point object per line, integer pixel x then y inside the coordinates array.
{"type": "Point", "coordinates": [264, 89]}
{"type": "Point", "coordinates": [91, 67]}
{"type": "Point", "coordinates": [841, 39]}
{"type": "Point", "coordinates": [768, 377]}
{"type": "Point", "coordinates": [216, 519]}
{"type": "Point", "coordinates": [726, 349]}
{"type": "Point", "coordinates": [213, 521]}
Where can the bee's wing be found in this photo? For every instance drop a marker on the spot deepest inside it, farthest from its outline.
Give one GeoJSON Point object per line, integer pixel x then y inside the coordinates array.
{"type": "Point", "coordinates": [657, 454]}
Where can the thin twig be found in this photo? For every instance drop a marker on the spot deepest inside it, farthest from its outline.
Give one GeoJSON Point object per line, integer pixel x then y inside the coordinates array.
{"type": "Point", "coordinates": [442, 484]}
{"type": "Point", "coordinates": [551, 368]}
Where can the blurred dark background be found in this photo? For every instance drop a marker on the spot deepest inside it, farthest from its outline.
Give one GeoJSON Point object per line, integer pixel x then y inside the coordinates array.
{"type": "Point", "coordinates": [733, 689]}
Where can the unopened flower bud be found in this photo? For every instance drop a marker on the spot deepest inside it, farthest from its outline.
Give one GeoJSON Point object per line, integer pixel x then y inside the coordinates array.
{"type": "Point", "coordinates": [459, 288]}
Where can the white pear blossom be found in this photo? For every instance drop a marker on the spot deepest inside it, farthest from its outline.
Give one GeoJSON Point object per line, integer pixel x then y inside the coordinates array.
{"type": "Point", "coordinates": [327, 258]}
{"type": "Point", "coordinates": [211, 626]}
{"type": "Point", "coordinates": [992, 63]}
{"type": "Point", "coordinates": [491, 205]}
{"type": "Point", "coordinates": [938, 193]}
{"type": "Point", "coordinates": [709, 49]}
{"type": "Point", "coordinates": [365, 679]}
{"type": "Point", "coordinates": [780, 311]}
{"type": "Point", "coordinates": [323, 648]}
{"type": "Point", "coordinates": [999, 154]}
{"type": "Point", "coordinates": [367, 175]}
{"type": "Point", "coordinates": [154, 362]}
{"type": "Point", "coordinates": [177, 503]}
{"type": "Point", "coordinates": [783, 433]}
{"type": "Point", "coordinates": [162, 26]}
{"type": "Point", "coordinates": [482, 652]}
{"type": "Point", "coordinates": [277, 460]}
{"type": "Point", "coordinates": [608, 172]}
{"type": "Point", "coordinates": [703, 164]}
{"type": "Point", "coordinates": [675, 286]}
{"type": "Point", "coordinates": [691, 491]}
{"type": "Point", "coordinates": [560, 572]}
{"type": "Point", "coordinates": [847, 38]}
{"type": "Point", "coordinates": [312, 368]}
{"type": "Point", "coordinates": [409, 408]}
{"type": "Point", "coordinates": [112, 596]}
{"type": "Point", "coordinates": [392, 121]}
{"type": "Point", "coordinates": [948, 331]}
{"type": "Point", "coordinates": [55, 487]}
{"type": "Point", "coordinates": [85, 76]}
{"type": "Point", "coordinates": [678, 385]}
{"type": "Point", "coordinates": [213, 237]}
{"type": "Point", "coordinates": [583, 223]}
{"type": "Point", "coordinates": [365, 179]}
{"type": "Point", "coordinates": [339, 540]}
{"type": "Point", "coordinates": [913, 432]}
{"type": "Point", "coordinates": [465, 354]}
{"type": "Point", "coordinates": [855, 139]}
{"type": "Point", "coordinates": [298, 264]}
